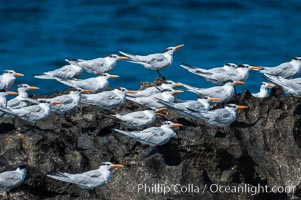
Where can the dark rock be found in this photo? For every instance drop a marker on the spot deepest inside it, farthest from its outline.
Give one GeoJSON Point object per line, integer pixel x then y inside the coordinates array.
{"type": "Point", "coordinates": [261, 147]}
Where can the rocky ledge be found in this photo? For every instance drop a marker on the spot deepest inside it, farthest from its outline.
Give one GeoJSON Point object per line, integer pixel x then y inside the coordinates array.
{"type": "Point", "coordinates": [261, 147]}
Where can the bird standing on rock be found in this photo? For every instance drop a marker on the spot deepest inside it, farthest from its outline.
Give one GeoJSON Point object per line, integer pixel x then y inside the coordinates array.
{"type": "Point", "coordinates": [223, 93]}
{"type": "Point", "coordinates": [156, 61]}
{"type": "Point", "coordinates": [263, 90]}
{"type": "Point", "coordinates": [68, 101]}
{"type": "Point", "coordinates": [7, 79]}
{"type": "Point", "coordinates": [88, 180]}
{"type": "Point", "coordinates": [106, 100]}
{"type": "Point", "coordinates": [66, 72]}
{"type": "Point", "coordinates": [285, 70]}
{"type": "Point", "coordinates": [221, 117]}
{"type": "Point", "coordinates": [151, 101]}
{"type": "Point", "coordinates": [22, 99]}
{"type": "Point", "coordinates": [96, 84]}
{"type": "Point", "coordinates": [97, 66]}
{"type": "Point", "coordinates": [31, 113]}
{"type": "Point", "coordinates": [139, 119]}
{"type": "Point", "coordinates": [153, 136]}
{"type": "Point", "coordinates": [222, 75]}
{"type": "Point", "coordinates": [12, 179]}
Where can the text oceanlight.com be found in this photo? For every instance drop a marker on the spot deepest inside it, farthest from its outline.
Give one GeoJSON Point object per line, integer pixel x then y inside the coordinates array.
{"type": "Point", "coordinates": [213, 188]}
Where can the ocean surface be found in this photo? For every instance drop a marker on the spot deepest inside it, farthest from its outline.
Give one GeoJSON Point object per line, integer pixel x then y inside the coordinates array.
{"type": "Point", "coordinates": [36, 36]}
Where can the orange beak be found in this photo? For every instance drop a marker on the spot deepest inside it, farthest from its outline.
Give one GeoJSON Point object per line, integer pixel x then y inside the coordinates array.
{"type": "Point", "coordinates": [87, 91]}
{"type": "Point", "coordinates": [239, 82]}
{"type": "Point", "coordinates": [113, 76]}
{"type": "Point", "coordinates": [117, 166]}
{"type": "Point", "coordinates": [178, 84]}
{"type": "Point", "coordinates": [33, 88]}
{"type": "Point", "coordinates": [122, 58]}
{"type": "Point", "coordinates": [131, 92]}
{"type": "Point", "coordinates": [177, 125]}
{"type": "Point", "coordinates": [255, 68]}
{"type": "Point", "coordinates": [179, 46]}
{"type": "Point", "coordinates": [18, 74]}
{"type": "Point", "coordinates": [242, 107]}
{"type": "Point", "coordinates": [160, 109]}
{"type": "Point", "coordinates": [12, 93]}
{"type": "Point", "coordinates": [160, 114]}
{"type": "Point", "coordinates": [214, 99]}
{"type": "Point", "coordinates": [56, 102]}
{"type": "Point", "coordinates": [270, 85]}
{"type": "Point", "coordinates": [177, 91]}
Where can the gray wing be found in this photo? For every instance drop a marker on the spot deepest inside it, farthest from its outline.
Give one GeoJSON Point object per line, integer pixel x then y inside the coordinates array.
{"type": "Point", "coordinates": [103, 99]}
{"type": "Point", "coordinates": [284, 70]}
{"type": "Point", "coordinates": [94, 66]}
{"type": "Point", "coordinates": [152, 136]}
{"type": "Point", "coordinates": [218, 117]}
{"type": "Point", "coordinates": [9, 180]}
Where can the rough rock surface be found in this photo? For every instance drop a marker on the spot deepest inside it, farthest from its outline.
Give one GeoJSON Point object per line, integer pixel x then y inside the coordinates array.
{"type": "Point", "coordinates": [262, 147]}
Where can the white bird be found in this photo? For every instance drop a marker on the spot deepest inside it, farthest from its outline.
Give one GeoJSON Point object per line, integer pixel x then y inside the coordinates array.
{"type": "Point", "coordinates": [222, 75]}
{"type": "Point", "coordinates": [31, 113]}
{"type": "Point", "coordinates": [199, 105]}
{"type": "Point", "coordinates": [97, 66]}
{"type": "Point", "coordinates": [223, 93]}
{"type": "Point", "coordinates": [286, 70]}
{"type": "Point", "coordinates": [153, 136]}
{"type": "Point", "coordinates": [139, 119]}
{"type": "Point", "coordinates": [107, 99]}
{"type": "Point", "coordinates": [156, 61]}
{"type": "Point", "coordinates": [156, 89]}
{"type": "Point", "coordinates": [88, 180]}
{"type": "Point", "coordinates": [96, 84]}
{"type": "Point", "coordinates": [66, 72]}
{"type": "Point", "coordinates": [22, 99]}
{"type": "Point", "coordinates": [263, 90]}
{"type": "Point", "coordinates": [3, 102]}
{"type": "Point", "coordinates": [12, 179]}
{"type": "Point", "coordinates": [291, 86]}
{"type": "Point", "coordinates": [221, 117]}
{"type": "Point", "coordinates": [7, 79]}
{"type": "Point", "coordinates": [166, 95]}
{"type": "Point", "coordinates": [68, 101]}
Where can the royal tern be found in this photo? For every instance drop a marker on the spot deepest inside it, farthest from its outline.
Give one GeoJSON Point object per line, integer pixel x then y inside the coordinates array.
{"type": "Point", "coordinates": [68, 101]}
{"type": "Point", "coordinates": [199, 105]}
{"type": "Point", "coordinates": [153, 136]}
{"type": "Point", "coordinates": [107, 99]}
{"type": "Point", "coordinates": [139, 119]}
{"type": "Point", "coordinates": [286, 70]}
{"type": "Point", "coordinates": [66, 72]}
{"type": "Point", "coordinates": [291, 86]}
{"type": "Point", "coordinates": [156, 89]}
{"type": "Point", "coordinates": [96, 84]}
{"type": "Point", "coordinates": [223, 93]}
{"type": "Point", "coordinates": [90, 179]}
{"type": "Point", "coordinates": [12, 179]}
{"type": "Point", "coordinates": [156, 61]}
{"type": "Point", "coordinates": [3, 102]}
{"type": "Point", "coordinates": [7, 79]}
{"type": "Point", "coordinates": [31, 113]}
{"type": "Point", "coordinates": [97, 66]}
{"type": "Point", "coordinates": [166, 95]}
{"type": "Point", "coordinates": [263, 90]}
{"type": "Point", "coordinates": [22, 99]}
{"type": "Point", "coordinates": [219, 117]}
{"type": "Point", "coordinates": [222, 75]}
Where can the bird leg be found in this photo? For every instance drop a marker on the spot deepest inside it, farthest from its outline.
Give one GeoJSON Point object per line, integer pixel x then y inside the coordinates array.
{"type": "Point", "coordinates": [7, 195]}
{"type": "Point", "coordinates": [160, 75]}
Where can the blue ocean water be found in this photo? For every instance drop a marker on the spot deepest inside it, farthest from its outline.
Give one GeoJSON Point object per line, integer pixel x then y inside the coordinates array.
{"type": "Point", "coordinates": [36, 36]}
